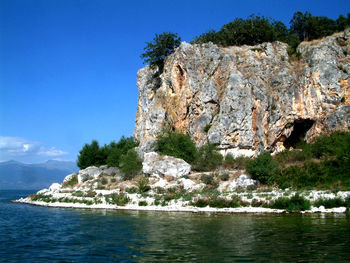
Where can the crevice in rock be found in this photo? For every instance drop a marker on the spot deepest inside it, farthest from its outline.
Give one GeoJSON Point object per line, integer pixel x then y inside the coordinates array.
{"type": "Point", "coordinates": [211, 101]}
{"type": "Point", "coordinates": [180, 77]}
{"type": "Point", "coordinates": [155, 82]}
{"type": "Point", "coordinates": [300, 128]}
{"type": "Point", "coordinates": [170, 84]}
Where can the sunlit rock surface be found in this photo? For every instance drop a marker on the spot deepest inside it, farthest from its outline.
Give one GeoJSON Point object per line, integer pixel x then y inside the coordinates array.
{"type": "Point", "coordinates": [158, 165]}
{"type": "Point", "coordinates": [247, 99]}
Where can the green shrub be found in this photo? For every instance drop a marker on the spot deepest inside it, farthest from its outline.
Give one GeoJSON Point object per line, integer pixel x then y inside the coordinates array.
{"type": "Point", "coordinates": [290, 156]}
{"type": "Point", "coordinates": [210, 191]}
{"type": "Point", "coordinates": [91, 154]}
{"type": "Point", "coordinates": [262, 167]}
{"type": "Point", "coordinates": [174, 193]}
{"type": "Point", "coordinates": [157, 200]}
{"type": "Point", "coordinates": [176, 144]}
{"type": "Point", "coordinates": [236, 201]}
{"type": "Point", "coordinates": [326, 174]}
{"type": "Point", "coordinates": [347, 202]}
{"type": "Point", "coordinates": [104, 181]}
{"type": "Point", "coordinates": [219, 202]}
{"type": "Point", "coordinates": [336, 144]}
{"type": "Point", "coordinates": [117, 150]}
{"type": "Point", "coordinates": [91, 193]}
{"type": "Point", "coordinates": [200, 202]}
{"type": "Point", "coordinates": [161, 46]}
{"type": "Point", "coordinates": [143, 203]}
{"type": "Point", "coordinates": [78, 194]}
{"type": "Point", "coordinates": [159, 190]}
{"type": "Point", "coordinates": [41, 197]}
{"type": "Point", "coordinates": [100, 186]}
{"type": "Point", "coordinates": [257, 203]}
{"type": "Point", "coordinates": [208, 159]}
{"type": "Point", "coordinates": [120, 199]}
{"type": "Point", "coordinates": [235, 163]}
{"type": "Point", "coordinates": [113, 180]}
{"type": "Point", "coordinates": [293, 204]}
{"type": "Point", "coordinates": [330, 203]}
{"type": "Point", "coordinates": [131, 164]}
{"type": "Point", "coordinates": [209, 179]}
{"type": "Point", "coordinates": [131, 190]}
{"type": "Point", "coordinates": [229, 160]}
{"type": "Point", "coordinates": [207, 127]}
{"type": "Point", "coordinates": [143, 184]}
{"type": "Point", "coordinates": [73, 181]}
{"type": "Point", "coordinates": [169, 196]}
{"type": "Point", "coordinates": [225, 177]}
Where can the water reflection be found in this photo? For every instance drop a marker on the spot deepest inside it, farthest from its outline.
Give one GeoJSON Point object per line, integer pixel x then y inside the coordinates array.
{"type": "Point", "coordinates": [40, 234]}
{"type": "Point", "coordinates": [227, 238]}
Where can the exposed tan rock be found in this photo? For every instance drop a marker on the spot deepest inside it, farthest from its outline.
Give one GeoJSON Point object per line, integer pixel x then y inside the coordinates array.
{"type": "Point", "coordinates": [255, 98]}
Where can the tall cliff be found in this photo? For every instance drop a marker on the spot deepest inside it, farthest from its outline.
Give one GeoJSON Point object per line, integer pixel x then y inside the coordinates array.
{"type": "Point", "coordinates": [248, 99]}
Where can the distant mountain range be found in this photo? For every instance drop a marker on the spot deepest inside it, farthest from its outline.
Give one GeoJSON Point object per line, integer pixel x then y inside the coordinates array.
{"type": "Point", "coordinates": [17, 175]}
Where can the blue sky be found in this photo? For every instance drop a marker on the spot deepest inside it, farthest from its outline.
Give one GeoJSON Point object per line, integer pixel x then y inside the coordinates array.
{"type": "Point", "coordinates": [68, 67]}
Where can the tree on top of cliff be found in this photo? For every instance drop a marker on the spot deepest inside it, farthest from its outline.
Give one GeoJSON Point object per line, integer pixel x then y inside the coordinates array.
{"type": "Point", "coordinates": [309, 27]}
{"type": "Point", "coordinates": [251, 31]}
{"type": "Point", "coordinates": [258, 29]}
{"type": "Point", "coordinates": [161, 46]}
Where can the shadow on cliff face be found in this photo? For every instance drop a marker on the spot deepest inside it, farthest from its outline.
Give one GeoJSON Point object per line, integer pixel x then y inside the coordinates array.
{"type": "Point", "coordinates": [300, 128]}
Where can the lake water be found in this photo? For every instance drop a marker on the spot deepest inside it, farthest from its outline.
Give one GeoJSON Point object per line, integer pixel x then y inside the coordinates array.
{"type": "Point", "coordinates": [41, 234]}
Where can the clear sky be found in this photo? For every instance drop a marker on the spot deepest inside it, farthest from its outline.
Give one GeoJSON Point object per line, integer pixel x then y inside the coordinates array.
{"type": "Point", "coordinates": [68, 67]}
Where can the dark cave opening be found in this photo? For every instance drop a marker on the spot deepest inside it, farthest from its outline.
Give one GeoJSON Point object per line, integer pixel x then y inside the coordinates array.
{"type": "Point", "coordinates": [300, 128]}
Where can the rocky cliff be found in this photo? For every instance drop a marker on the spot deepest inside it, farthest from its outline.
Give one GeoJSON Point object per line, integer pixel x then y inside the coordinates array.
{"type": "Point", "coordinates": [248, 99]}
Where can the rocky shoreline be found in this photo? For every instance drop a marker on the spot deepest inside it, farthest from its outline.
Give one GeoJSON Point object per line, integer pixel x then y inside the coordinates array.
{"type": "Point", "coordinates": [174, 191]}
{"type": "Point", "coordinates": [180, 209]}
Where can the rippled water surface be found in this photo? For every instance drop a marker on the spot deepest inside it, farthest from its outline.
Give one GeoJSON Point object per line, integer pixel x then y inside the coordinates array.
{"type": "Point", "coordinates": [40, 234]}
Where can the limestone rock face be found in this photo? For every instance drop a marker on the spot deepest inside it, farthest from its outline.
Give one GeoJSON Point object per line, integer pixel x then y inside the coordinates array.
{"type": "Point", "coordinates": [247, 99]}
{"type": "Point", "coordinates": [88, 173]}
{"type": "Point", "coordinates": [163, 166]}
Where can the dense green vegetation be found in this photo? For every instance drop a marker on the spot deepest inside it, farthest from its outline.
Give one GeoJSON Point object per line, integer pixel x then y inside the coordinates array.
{"type": "Point", "coordinates": [120, 199]}
{"type": "Point", "coordinates": [251, 31]}
{"type": "Point", "coordinates": [130, 164]}
{"type": "Point", "coordinates": [208, 158]}
{"type": "Point", "coordinates": [120, 154]}
{"type": "Point", "coordinates": [295, 204]}
{"type": "Point", "coordinates": [91, 154]}
{"type": "Point", "coordinates": [115, 151]}
{"type": "Point", "coordinates": [322, 164]}
{"type": "Point", "coordinates": [258, 29]}
{"type": "Point", "coordinates": [176, 144]}
{"type": "Point", "coordinates": [262, 167]}
{"type": "Point", "coordinates": [335, 202]}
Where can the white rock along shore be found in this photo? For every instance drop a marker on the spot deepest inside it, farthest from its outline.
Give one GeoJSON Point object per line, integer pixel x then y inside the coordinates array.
{"type": "Point", "coordinates": [104, 188]}
{"type": "Point", "coordinates": [178, 208]}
